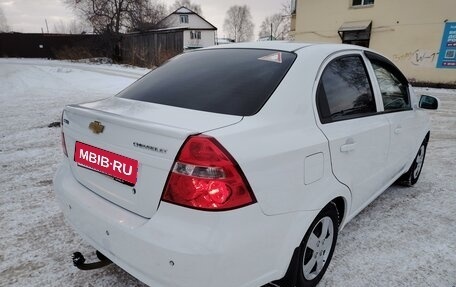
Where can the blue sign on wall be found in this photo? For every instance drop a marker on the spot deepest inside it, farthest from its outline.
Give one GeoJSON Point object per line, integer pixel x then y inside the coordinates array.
{"type": "Point", "coordinates": [447, 55]}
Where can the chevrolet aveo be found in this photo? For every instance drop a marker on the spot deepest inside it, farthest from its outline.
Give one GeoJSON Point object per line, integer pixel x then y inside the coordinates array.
{"type": "Point", "coordinates": [238, 165]}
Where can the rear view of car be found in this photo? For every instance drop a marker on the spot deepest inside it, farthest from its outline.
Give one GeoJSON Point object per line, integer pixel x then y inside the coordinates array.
{"type": "Point", "coordinates": [238, 165]}
{"type": "Point", "coordinates": [143, 175]}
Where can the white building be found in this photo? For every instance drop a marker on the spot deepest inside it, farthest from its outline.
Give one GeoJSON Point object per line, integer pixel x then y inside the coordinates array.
{"type": "Point", "coordinates": [198, 32]}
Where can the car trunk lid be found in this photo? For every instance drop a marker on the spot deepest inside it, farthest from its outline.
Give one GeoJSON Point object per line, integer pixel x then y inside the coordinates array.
{"type": "Point", "coordinates": [105, 139]}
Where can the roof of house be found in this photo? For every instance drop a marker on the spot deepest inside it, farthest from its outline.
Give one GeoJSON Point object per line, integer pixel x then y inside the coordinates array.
{"type": "Point", "coordinates": [185, 11]}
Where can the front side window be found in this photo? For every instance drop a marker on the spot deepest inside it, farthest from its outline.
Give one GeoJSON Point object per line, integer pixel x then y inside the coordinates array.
{"type": "Point", "coordinates": [394, 92]}
{"type": "Point", "coordinates": [184, 18]}
{"type": "Point", "coordinates": [362, 2]}
{"type": "Point", "coordinates": [344, 90]}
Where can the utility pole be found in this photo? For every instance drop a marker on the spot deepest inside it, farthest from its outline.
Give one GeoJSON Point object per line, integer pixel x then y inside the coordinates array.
{"type": "Point", "coordinates": [271, 32]}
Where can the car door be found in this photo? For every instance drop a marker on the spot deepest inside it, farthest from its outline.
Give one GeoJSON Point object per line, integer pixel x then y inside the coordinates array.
{"type": "Point", "coordinates": [393, 88]}
{"type": "Point", "coordinates": [357, 134]}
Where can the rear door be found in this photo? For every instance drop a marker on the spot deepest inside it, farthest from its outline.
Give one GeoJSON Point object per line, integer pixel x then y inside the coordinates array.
{"type": "Point", "coordinates": [358, 135]}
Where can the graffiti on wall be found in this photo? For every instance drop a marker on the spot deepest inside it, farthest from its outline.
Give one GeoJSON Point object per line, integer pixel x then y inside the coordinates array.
{"type": "Point", "coordinates": [419, 57]}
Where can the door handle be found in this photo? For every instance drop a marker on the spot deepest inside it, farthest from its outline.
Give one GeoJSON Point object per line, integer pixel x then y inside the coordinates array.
{"type": "Point", "coordinates": [348, 147]}
{"type": "Point", "coordinates": [398, 130]}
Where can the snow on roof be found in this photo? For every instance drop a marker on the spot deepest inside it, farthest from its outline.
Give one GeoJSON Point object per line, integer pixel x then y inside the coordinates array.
{"type": "Point", "coordinates": [183, 10]}
{"type": "Point", "coordinates": [355, 26]}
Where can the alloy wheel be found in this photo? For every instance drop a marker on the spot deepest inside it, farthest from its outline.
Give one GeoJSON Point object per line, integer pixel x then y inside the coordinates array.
{"type": "Point", "coordinates": [318, 248]}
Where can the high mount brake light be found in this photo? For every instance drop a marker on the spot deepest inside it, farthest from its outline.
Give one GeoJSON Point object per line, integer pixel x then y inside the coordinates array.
{"type": "Point", "coordinates": [205, 176]}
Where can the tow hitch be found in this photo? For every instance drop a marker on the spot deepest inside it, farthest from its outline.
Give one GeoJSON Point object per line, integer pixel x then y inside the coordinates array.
{"type": "Point", "coordinates": [79, 261]}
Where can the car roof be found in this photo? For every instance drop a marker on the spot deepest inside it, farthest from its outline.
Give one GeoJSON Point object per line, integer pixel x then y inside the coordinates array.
{"type": "Point", "coordinates": [288, 46]}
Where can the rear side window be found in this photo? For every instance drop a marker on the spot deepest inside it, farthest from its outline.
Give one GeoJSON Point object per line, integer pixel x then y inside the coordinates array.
{"type": "Point", "coordinates": [226, 81]}
{"type": "Point", "coordinates": [344, 90]}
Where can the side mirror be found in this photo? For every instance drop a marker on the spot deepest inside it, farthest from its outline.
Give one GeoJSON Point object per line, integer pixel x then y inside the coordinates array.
{"type": "Point", "coordinates": [429, 102]}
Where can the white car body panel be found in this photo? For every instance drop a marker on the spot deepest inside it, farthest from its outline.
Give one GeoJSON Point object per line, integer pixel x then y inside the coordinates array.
{"type": "Point", "coordinates": [201, 255]}
{"type": "Point", "coordinates": [168, 245]}
{"type": "Point", "coordinates": [286, 190]}
{"type": "Point", "coordinates": [154, 114]}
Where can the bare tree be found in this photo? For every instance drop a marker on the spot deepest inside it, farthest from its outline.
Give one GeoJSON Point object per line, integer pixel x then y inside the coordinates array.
{"type": "Point", "coordinates": [238, 23]}
{"type": "Point", "coordinates": [115, 15]}
{"type": "Point", "coordinates": [287, 10]}
{"type": "Point", "coordinates": [3, 22]}
{"type": "Point", "coordinates": [187, 4]}
{"type": "Point", "coordinates": [146, 16]}
{"type": "Point", "coordinates": [72, 27]}
{"type": "Point", "coordinates": [274, 26]}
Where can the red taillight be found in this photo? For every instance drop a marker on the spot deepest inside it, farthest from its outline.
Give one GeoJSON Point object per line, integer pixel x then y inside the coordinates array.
{"type": "Point", "coordinates": [205, 176]}
{"type": "Point", "coordinates": [63, 137]}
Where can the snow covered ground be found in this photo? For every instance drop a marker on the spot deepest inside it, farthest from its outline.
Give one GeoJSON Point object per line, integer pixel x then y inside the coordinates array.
{"type": "Point", "coordinates": [407, 237]}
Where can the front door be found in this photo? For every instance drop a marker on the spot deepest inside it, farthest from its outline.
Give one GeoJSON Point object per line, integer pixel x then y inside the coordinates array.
{"type": "Point", "coordinates": [405, 125]}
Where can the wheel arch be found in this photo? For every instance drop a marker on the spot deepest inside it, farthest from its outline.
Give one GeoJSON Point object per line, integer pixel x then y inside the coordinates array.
{"type": "Point", "coordinates": [341, 206]}
{"type": "Point", "coordinates": [290, 277]}
{"type": "Point", "coordinates": [425, 141]}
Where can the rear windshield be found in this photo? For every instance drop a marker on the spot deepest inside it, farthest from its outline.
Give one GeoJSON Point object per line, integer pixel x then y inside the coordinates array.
{"type": "Point", "coordinates": [226, 81]}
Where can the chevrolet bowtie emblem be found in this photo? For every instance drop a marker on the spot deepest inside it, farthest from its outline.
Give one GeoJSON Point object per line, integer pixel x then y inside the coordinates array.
{"type": "Point", "coordinates": [96, 127]}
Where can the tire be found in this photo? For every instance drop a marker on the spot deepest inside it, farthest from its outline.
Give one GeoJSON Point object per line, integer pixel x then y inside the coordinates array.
{"type": "Point", "coordinates": [411, 176]}
{"type": "Point", "coordinates": [317, 247]}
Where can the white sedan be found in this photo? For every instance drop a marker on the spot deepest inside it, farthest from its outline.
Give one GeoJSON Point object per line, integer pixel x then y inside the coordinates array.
{"type": "Point", "coordinates": [238, 165]}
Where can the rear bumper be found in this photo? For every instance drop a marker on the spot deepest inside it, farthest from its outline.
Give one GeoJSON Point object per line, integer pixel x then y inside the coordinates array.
{"type": "Point", "coordinates": [181, 246]}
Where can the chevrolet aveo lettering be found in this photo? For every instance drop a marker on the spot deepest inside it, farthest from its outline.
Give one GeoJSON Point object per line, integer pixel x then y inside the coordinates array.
{"type": "Point", "coordinates": [247, 160]}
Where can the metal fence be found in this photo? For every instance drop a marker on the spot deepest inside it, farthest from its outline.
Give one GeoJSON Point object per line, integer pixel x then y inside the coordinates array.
{"type": "Point", "coordinates": [148, 49]}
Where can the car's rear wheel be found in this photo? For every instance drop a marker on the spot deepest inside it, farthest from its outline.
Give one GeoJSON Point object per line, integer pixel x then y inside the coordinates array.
{"type": "Point", "coordinates": [412, 175]}
{"type": "Point", "coordinates": [317, 247]}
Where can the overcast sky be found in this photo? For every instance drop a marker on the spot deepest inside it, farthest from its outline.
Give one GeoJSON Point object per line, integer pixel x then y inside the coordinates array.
{"type": "Point", "coordinates": [28, 16]}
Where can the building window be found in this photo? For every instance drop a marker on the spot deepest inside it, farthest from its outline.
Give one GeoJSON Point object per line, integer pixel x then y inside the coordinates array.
{"type": "Point", "coordinates": [362, 2]}
{"type": "Point", "coordinates": [195, 34]}
{"type": "Point", "coordinates": [184, 18]}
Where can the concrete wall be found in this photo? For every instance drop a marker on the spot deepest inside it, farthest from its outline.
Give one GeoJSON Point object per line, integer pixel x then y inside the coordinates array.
{"type": "Point", "coordinates": [407, 31]}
